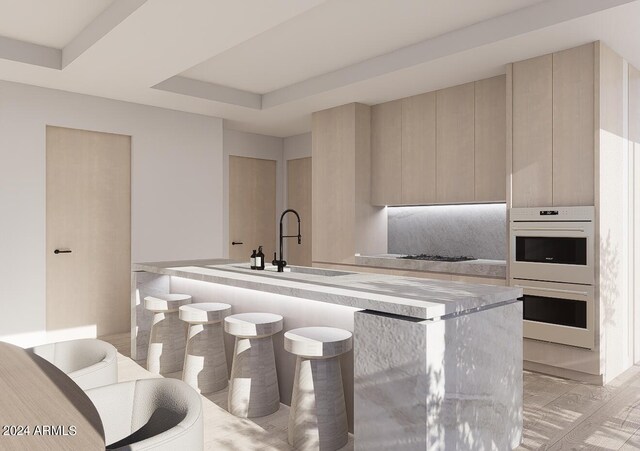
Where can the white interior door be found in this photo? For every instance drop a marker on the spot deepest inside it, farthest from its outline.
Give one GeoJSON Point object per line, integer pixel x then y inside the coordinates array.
{"type": "Point", "coordinates": [252, 207]}
{"type": "Point", "coordinates": [89, 224]}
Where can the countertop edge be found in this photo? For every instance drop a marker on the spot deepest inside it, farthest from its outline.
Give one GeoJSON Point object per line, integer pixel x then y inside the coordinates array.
{"type": "Point", "coordinates": [347, 296]}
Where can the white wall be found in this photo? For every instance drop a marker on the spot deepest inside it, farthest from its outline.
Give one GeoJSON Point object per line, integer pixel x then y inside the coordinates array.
{"type": "Point", "coordinates": [177, 189]}
{"type": "Point", "coordinates": [298, 146]}
{"type": "Point", "coordinates": [254, 146]}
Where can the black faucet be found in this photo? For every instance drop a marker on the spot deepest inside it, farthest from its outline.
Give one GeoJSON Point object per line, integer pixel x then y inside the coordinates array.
{"type": "Point", "coordinates": [281, 263]}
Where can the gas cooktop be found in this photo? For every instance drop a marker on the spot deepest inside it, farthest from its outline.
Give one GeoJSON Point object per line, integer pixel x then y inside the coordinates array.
{"type": "Point", "coordinates": [437, 258]}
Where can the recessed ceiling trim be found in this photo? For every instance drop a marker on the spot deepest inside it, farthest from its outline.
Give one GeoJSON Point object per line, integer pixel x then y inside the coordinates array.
{"type": "Point", "coordinates": [40, 55]}
{"type": "Point", "coordinates": [25, 52]}
{"type": "Point", "coordinates": [493, 30]}
{"type": "Point", "coordinates": [503, 27]}
{"type": "Point", "coordinates": [98, 28]}
{"type": "Point", "coordinates": [211, 91]}
{"type": "Point", "coordinates": [162, 38]}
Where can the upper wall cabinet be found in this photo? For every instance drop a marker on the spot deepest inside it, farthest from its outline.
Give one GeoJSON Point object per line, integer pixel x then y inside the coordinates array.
{"type": "Point", "coordinates": [386, 158]}
{"type": "Point", "coordinates": [573, 122]}
{"type": "Point", "coordinates": [490, 140]}
{"type": "Point", "coordinates": [455, 144]}
{"type": "Point", "coordinates": [532, 132]}
{"type": "Point", "coordinates": [445, 146]}
{"type": "Point", "coordinates": [418, 174]}
{"type": "Point", "coordinates": [553, 129]}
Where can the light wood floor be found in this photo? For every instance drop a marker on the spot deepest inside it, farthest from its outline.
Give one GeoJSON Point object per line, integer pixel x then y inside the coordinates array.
{"type": "Point", "coordinates": [558, 414]}
{"type": "Point", "coordinates": [562, 415]}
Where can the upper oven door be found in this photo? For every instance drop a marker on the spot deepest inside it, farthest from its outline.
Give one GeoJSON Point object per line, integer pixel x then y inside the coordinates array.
{"type": "Point", "coordinates": [552, 251]}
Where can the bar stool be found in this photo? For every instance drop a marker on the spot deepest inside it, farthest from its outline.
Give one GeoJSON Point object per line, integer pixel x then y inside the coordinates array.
{"type": "Point", "coordinates": [253, 388]}
{"type": "Point", "coordinates": [318, 415]}
{"type": "Point", "coordinates": [168, 334]}
{"type": "Point", "coordinates": [205, 363]}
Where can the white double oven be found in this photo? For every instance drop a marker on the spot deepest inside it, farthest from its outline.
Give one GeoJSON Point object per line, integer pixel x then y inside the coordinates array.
{"type": "Point", "coordinates": [552, 260]}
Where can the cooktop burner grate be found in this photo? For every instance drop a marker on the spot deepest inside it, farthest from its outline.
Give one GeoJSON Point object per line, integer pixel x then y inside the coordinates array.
{"type": "Point", "coordinates": [437, 258]}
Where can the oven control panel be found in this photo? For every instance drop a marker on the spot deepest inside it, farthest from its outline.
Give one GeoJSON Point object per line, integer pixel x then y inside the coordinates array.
{"type": "Point", "coordinates": [582, 214]}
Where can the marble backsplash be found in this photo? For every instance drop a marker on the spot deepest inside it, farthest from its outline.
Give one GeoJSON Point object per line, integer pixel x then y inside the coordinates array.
{"type": "Point", "coordinates": [451, 230]}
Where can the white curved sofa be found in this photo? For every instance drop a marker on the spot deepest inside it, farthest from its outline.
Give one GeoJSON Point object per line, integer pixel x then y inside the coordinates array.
{"type": "Point", "coordinates": [89, 362]}
{"type": "Point", "coordinates": [150, 414]}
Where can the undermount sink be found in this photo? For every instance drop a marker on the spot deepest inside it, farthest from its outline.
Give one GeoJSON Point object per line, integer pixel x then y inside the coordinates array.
{"type": "Point", "coordinates": [300, 270]}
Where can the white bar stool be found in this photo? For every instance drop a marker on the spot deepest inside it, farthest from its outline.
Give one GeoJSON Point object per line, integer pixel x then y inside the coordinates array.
{"type": "Point", "coordinates": [168, 334]}
{"type": "Point", "coordinates": [253, 388]}
{"type": "Point", "coordinates": [205, 363]}
{"type": "Point", "coordinates": [318, 415]}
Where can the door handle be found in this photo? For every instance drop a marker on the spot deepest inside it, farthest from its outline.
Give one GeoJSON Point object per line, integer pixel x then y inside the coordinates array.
{"type": "Point", "coordinates": [233, 243]}
{"type": "Point", "coordinates": [553, 290]}
{"type": "Point", "coordinates": [62, 251]}
{"type": "Point", "coordinates": [548, 229]}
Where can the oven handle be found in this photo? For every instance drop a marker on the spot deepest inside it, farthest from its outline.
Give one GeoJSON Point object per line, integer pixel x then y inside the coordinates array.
{"type": "Point", "coordinates": [547, 229]}
{"type": "Point", "coordinates": [553, 290]}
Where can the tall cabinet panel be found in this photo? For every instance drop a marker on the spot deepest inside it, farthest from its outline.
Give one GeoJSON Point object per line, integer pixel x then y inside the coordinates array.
{"type": "Point", "coordinates": [455, 144]}
{"type": "Point", "coordinates": [573, 122]}
{"type": "Point", "coordinates": [490, 139]}
{"type": "Point", "coordinates": [419, 149]}
{"type": "Point", "coordinates": [344, 222]}
{"type": "Point", "coordinates": [386, 148]}
{"type": "Point", "coordinates": [332, 184]}
{"type": "Point", "coordinates": [532, 132]}
{"type": "Point", "coordinates": [299, 198]}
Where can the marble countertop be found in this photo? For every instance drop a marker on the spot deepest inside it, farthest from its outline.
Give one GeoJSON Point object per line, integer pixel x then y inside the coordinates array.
{"type": "Point", "coordinates": [479, 268]}
{"type": "Point", "coordinates": [406, 296]}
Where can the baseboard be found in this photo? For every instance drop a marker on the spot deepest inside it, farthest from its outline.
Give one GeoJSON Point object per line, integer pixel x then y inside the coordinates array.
{"type": "Point", "coordinates": [564, 373]}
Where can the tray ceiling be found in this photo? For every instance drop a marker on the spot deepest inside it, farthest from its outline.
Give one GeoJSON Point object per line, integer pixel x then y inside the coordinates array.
{"type": "Point", "coordinates": [266, 65]}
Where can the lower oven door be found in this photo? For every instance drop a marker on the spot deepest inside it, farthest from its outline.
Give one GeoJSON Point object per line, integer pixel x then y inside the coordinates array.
{"type": "Point", "coordinates": [558, 312]}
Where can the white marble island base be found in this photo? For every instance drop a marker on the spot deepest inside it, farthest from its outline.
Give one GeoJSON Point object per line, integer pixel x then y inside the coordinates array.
{"type": "Point", "coordinates": [435, 365]}
{"type": "Point", "coordinates": [449, 384]}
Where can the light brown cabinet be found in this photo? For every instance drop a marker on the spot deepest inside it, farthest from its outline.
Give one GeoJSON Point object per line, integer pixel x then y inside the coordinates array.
{"type": "Point", "coordinates": [553, 129]}
{"type": "Point", "coordinates": [445, 146]}
{"type": "Point", "coordinates": [455, 148]}
{"type": "Point", "coordinates": [418, 175]}
{"type": "Point", "coordinates": [332, 167]}
{"type": "Point", "coordinates": [490, 139]}
{"type": "Point", "coordinates": [343, 221]}
{"type": "Point", "coordinates": [299, 198]}
{"type": "Point", "coordinates": [386, 149]}
{"type": "Point", "coordinates": [532, 132]}
{"type": "Point", "coordinates": [573, 122]}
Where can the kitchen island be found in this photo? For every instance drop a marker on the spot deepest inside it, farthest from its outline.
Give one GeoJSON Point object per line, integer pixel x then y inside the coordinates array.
{"type": "Point", "coordinates": [435, 364]}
